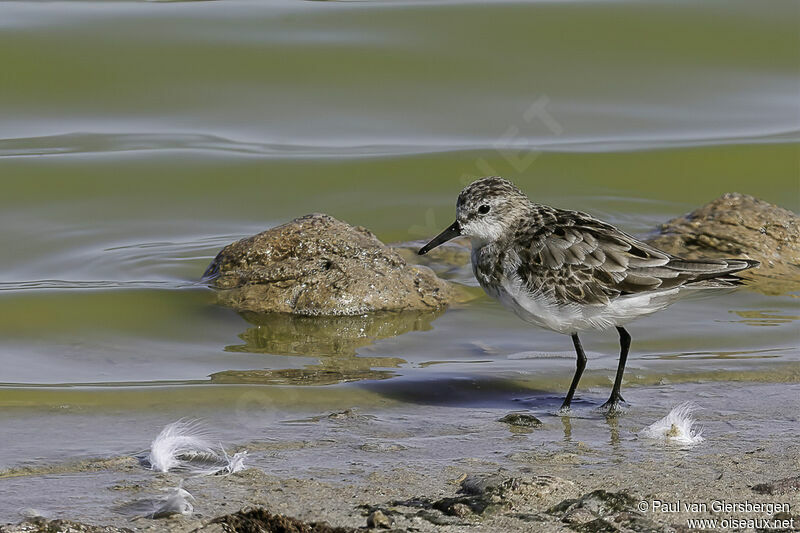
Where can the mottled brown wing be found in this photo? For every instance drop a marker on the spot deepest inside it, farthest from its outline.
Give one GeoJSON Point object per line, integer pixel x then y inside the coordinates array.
{"type": "Point", "coordinates": [584, 260]}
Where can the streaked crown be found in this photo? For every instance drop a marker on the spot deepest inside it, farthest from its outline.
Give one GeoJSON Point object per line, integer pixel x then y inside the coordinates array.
{"type": "Point", "coordinates": [489, 207]}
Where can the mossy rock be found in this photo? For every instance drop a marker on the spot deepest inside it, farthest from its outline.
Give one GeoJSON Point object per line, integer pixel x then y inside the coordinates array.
{"type": "Point", "coordinates": [316, 265]}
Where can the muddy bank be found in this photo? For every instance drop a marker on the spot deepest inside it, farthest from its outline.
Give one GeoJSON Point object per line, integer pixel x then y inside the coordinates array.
{"type": "Point", "coordinates": [467, 470]}
{"type": "Point", "coordinates": [624, 497]}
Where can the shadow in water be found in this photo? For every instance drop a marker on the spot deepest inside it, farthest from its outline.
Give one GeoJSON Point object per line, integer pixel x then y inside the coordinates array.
{"type": "Point", "coordinates": [467, 392]}
{"type": "Point", "coordinates": [333, 340]}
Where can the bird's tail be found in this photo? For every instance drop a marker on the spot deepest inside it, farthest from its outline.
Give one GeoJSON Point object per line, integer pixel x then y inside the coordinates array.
{"type": "Point", "coordinates": [713, 272]}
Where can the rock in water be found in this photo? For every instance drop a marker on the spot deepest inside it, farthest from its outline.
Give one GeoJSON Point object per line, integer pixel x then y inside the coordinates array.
{"type": "Point", "coordinates": [521, 420]}
{"type": "Point", "coordinates": [316, 265]}
{"type": "Point", "coordinates": [739, 225]}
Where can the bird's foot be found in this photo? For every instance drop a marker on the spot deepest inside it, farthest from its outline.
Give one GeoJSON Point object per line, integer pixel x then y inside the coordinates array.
{"type": "Point", "coordinates": [612, 407]}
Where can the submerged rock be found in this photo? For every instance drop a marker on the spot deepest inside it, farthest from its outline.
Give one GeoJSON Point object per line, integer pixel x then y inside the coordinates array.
{"type": "Point", "coordinates": [328, 372]}
{"type": "Point", "coordinates": [316, 265]}
{"type": "Point", "coordinates": [521, 420]}
{"type": "Point", "coordinates": [739, 225]}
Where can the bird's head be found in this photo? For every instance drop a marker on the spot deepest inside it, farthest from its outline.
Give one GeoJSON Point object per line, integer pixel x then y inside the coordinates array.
{"type": "Point", "coordinates": [486, 210]}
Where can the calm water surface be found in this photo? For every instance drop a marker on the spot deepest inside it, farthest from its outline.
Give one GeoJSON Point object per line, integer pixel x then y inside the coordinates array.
{"type": "Point", "coordinates": [138, 138]}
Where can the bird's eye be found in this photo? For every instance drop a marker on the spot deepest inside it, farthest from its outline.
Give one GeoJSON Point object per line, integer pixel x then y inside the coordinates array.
{"type": "Point", "coordinates": [483, 209]}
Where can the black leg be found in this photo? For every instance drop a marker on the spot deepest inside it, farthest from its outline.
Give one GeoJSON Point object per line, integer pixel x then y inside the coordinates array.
{"type": "Point", "coordinates": [579, 366]}
{"type": "Point", "coordinates": [624, 346]}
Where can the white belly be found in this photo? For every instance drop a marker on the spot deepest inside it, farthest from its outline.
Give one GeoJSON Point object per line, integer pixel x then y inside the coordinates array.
{"type": "Point", "coordinates": [542, 310]}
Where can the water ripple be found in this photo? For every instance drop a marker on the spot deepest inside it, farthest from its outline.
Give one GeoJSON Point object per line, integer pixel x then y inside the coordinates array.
{"type": "Point", "coordinates": [101, 143]}
{"type": "Point", "coordinates": [57, 284]}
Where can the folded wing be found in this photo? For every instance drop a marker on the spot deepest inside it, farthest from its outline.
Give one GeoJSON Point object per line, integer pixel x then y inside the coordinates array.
{"type": "Point", "coordinates": [584, 260]}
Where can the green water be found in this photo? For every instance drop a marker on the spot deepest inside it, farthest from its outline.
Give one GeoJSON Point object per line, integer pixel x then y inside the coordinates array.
{"type": "Point", "coordinates": [138, 138]}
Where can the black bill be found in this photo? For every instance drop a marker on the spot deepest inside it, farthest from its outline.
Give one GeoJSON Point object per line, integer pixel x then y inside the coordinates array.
{"type": "Point", "coordinates": [450, 233]}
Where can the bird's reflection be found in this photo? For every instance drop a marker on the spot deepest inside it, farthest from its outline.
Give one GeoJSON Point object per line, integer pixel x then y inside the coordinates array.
{"type": "Point", "coordinates": [567, 423]}
{"type": "Point", "coordinates": [611, 421]}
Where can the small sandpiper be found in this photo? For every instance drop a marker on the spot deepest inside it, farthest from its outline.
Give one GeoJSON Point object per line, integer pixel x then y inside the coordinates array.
{"type": "Point", "coordinates": [568, 272]}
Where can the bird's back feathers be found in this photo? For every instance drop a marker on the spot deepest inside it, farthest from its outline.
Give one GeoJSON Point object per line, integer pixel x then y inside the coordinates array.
{"type": "Point", "coordinates": [583, 260]}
